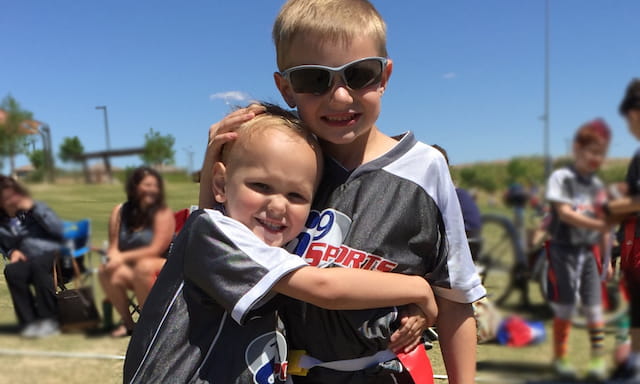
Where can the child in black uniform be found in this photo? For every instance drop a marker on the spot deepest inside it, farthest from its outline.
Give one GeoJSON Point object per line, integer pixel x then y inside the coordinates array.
{"type": "Point", "coordinates": [630, 207]}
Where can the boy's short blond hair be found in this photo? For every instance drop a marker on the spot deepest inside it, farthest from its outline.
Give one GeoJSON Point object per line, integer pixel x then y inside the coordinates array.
{"type": "Point", "coordinates": [327, 20]}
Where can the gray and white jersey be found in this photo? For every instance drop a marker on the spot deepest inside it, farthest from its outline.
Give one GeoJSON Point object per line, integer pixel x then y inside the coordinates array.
{"type": "Point", "coordinates": [202, 322]}
{"type": "Point", "coordinates": [397, 213]}
{"type": "Point", "coordinates": [582, 193]}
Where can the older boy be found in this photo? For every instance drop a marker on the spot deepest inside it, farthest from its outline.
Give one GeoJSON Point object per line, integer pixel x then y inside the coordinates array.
{"type": "Point", "coordinates": [190, 330]}
{"type": "Point", "coordinates": [630, 206]}
{"type": "Point", "coordinates": [384, 203]}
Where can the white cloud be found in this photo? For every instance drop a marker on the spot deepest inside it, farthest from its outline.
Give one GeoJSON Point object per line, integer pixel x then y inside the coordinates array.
{"type": "Point", "coordinates": [230, 96]}
{"type": "Point", "coordinates": [449, 75]}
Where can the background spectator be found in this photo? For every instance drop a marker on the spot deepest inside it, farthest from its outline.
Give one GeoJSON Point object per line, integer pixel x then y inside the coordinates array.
{"type": "Point", "coordinates": [470, 213]}
{"type": "Point", "coordinates": [140, 231]}
{"type": "Point", "coordinates": [30, 237]}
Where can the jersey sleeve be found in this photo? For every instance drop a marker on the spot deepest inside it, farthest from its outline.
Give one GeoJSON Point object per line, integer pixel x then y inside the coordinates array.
{"type": "Point", "coordinates": [556, 191]}
{"type": "Point", "coordinates": [456, 265]}
{"type": "Point", "coordinates": [231, 265]}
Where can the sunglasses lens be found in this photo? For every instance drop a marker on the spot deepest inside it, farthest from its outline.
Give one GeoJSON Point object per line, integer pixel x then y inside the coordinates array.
{"type": "Point", "coordinates": [310, 80]}
{"type": "Point", "coordinates": [364, 73]}
{"type": "Point", "coordinates": [318, 80]}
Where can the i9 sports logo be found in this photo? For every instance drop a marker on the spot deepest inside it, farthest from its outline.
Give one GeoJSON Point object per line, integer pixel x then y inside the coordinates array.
{"type": "Point", "coordinates": [266, 357]}
{"type": "Point", "coordinates": [321, 244]}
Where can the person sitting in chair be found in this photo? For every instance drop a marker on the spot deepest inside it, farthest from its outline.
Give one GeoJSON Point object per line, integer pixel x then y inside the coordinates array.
{"type": "Point", "coordinates": [30, 237]}
{"type": "Point", "coordinates": [140, 231]}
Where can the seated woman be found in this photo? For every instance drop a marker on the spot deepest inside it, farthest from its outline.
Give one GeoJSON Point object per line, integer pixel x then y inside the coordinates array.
{"type": "Point", "coordinates": [30, 236]}
{"type": "Point", "coordinates": [140, 231]}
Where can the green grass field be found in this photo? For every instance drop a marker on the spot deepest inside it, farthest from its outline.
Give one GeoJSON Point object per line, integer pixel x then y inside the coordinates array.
{"type": "Point", "coordinates": [23, 361]}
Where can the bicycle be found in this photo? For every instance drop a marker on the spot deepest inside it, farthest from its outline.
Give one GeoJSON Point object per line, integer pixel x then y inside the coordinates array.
{"type": "Point", "coordinates": [508, 262]}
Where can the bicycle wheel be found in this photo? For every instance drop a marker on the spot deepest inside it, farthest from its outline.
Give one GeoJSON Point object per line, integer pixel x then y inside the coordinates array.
{"type": "Point", "coordinates": [499, 256]}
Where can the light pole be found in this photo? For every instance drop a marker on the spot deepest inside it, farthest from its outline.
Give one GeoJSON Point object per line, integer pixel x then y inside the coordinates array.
{"type": "Point", "coordinates": [547, 155]}
{"type": "Point", "coordinates": [107, 163]}
{"type": "Point", "coordinates": [49, 167]}
{"type": "Point", "coordinates": [106, 125]}
{"type": "Point", "coordinates": [189, 152]}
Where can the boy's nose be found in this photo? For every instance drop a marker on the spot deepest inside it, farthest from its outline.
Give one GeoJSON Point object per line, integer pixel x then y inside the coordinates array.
{"type": "Point", "coordinates": [340, 93]}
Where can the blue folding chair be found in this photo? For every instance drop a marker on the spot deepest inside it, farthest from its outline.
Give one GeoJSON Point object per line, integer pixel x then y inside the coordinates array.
{"type": "Point", "coordinates": [77, 244]}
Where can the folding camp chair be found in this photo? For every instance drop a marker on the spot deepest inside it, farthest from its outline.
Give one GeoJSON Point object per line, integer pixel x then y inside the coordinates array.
{"type": "Point", "coordinates": [77, 245]}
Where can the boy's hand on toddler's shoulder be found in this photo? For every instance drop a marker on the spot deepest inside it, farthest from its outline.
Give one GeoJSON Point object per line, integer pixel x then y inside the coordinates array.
{"type": "Point", "coordinates": [413, 323]}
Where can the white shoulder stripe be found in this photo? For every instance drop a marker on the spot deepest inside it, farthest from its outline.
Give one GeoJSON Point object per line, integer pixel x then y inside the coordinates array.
{"type": "Point", "coordinates": [276, 261]}
{"type": "Point", "coordinates": [426, 167]}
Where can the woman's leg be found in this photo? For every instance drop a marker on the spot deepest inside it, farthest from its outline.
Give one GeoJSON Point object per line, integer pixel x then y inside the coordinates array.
{"type": "Point", "coordinates": [42, 280]}
{"type": "Point", "coordinates": [145, 274]}
{"type": "Point", "coordinates": [18, 276]}
{"type": "Point", "coordinates": [115, 285]}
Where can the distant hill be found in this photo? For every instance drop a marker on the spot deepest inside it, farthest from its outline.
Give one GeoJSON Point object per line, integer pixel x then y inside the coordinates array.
{"type": "Point", "coordinates": [497, 175]}
{"type": "Point", "coordinates": [609, 162]}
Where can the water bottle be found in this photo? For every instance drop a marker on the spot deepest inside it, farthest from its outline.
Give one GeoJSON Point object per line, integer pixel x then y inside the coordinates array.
{"type": "Point", "coordinates": [66, 258]}
{"type": "Point", "coordinates": [67, 263]}
{"type": "Point", "coordinates": [103, 254]}
{"type": "Point", "coordinates": [107, 315]}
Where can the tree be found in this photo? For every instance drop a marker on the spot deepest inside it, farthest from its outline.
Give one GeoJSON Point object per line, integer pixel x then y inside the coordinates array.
{"type": "Point", "coordinates": [526, 170]}
{"type": "Point", "coordinates": [70, 149]}
{"type": "Point", "coordinates": [517, 170]}
{"type": "Point", "coordinates": [158, 149]}
{"type": "Point", "coordinates": [37, 159]}
{"type": "Point", "coordinates": [13, 140]}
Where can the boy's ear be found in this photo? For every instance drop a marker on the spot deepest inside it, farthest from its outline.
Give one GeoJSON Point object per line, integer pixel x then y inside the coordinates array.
{"type": "Point", "coordinates": [219, 182]}
{"type": "Point", "coordinates": [386, 74]}
{"type": "Point", "coordinates": [285, 89]}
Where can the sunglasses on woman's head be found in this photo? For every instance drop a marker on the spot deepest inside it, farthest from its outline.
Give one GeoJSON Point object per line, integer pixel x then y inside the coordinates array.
{"type": "Point", "coordinates": [318, 79]}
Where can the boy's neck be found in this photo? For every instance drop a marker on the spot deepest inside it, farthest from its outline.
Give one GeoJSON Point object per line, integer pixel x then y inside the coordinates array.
{"type": "Point", "coordinates": [363, 149]}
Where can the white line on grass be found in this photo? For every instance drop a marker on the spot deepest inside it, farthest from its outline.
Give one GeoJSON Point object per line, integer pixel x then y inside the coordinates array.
{"type": "Point", "coordinates": [82, 355]}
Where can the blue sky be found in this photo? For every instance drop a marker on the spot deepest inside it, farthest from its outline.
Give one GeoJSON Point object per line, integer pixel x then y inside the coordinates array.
{"type": "Point", "coordinates": [468, 74]}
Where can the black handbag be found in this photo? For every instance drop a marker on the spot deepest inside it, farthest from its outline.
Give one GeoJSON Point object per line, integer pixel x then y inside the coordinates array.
{"type": "Point", "coordinates": [76, 306]}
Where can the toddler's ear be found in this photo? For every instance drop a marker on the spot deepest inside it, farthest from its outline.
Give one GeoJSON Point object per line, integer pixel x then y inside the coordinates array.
{"type": "Point", "coordinates": [219, 182]}
{"type": "Point", "coordinates": [285, 89]}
